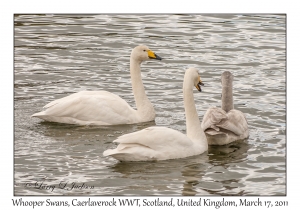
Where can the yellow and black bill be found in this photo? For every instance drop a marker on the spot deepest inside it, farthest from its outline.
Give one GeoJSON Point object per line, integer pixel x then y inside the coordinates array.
{"type": "Point", "coordinates": [152, 55]}
{"type": "Point", "coordinates": [198, 86]}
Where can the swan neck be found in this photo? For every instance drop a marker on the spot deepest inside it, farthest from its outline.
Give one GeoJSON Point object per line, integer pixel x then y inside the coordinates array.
{"type": "Point", "coordinates": [193, 126]}
{"type": "Point", "coordinates": [142, 102]}
{"type": "Point", "coordinates": [227, 96]}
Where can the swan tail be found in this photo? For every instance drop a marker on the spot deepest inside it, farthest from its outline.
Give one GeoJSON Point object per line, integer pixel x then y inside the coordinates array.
{"type": "Point", "coordinates": [42, 115]}
{"type": "Point", "coordinates": [130, 152]}
{"type": "Point", "coordinates": [38, 114]}
{"type": "Point", "coordinates": [108, 152]}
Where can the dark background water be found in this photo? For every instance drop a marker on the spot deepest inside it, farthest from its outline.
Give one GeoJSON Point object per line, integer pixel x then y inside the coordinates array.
{"type": "Point", "coordinates": [56, 55]}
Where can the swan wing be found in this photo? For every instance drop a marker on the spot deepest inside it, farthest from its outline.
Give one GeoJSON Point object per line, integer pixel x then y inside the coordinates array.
{"type": "Point", "coordinates": [153, 143]}
{"type": "Point", "coordinates": [236, 122]}
{"type": "Point", "coordinates": [76, 95]}
{"type": "Point", "coordinates": [156, 138]}
{"type": "Point", "coordinates": [216, 118]}
{"type": "Point", "coordinates": [212, 118]}
{"type": "Point", "coordinates": [90, 106]}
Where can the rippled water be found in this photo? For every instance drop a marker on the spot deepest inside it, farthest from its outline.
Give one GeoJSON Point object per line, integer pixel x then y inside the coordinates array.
{"type": "Point", "coordinates": [56, 55]}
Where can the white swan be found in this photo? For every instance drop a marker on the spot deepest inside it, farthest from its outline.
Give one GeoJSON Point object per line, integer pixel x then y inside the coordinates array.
{"type": "Point", "coordinates": [225, 125]}
{"type": "Point", "coordinates": [161, 143]}
{"type": "Point", "coordinates": [102, 107]}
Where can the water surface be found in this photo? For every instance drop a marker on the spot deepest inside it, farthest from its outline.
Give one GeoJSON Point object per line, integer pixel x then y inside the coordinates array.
{"type": "Point", "coordinates": [56, 55]}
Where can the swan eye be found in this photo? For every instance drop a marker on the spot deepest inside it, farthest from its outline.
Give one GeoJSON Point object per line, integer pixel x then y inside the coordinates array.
{"type": "Point", "coordinates": [144, 50]}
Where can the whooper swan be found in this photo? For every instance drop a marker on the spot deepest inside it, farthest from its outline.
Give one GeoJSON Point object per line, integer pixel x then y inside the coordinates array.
{"type": "Point", "coordinates": [102, 107]}
{"type": "Point", "coordinates": [161, 143]}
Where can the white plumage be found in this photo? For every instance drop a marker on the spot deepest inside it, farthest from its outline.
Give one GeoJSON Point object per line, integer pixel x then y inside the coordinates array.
{"type": "Point", "coordinates": [161, 143]}
{"type": "Point", "coordinates": [102, 107]}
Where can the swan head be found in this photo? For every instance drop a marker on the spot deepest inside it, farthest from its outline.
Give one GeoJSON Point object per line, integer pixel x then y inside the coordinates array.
{"type": "Point", "coordinates": [226, 79]}
{"type": "Point", "coordinates": [142, 53]}
{"type": "Point", "coordinates": [196, 79]}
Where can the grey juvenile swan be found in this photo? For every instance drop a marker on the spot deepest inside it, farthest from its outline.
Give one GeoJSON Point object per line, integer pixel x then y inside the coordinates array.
{"type": "Point", "coordinates": [225, 125]}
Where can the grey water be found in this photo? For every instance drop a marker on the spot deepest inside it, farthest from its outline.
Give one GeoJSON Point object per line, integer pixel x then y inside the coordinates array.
{"type": "Point", "coordinates": [57, 55]}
